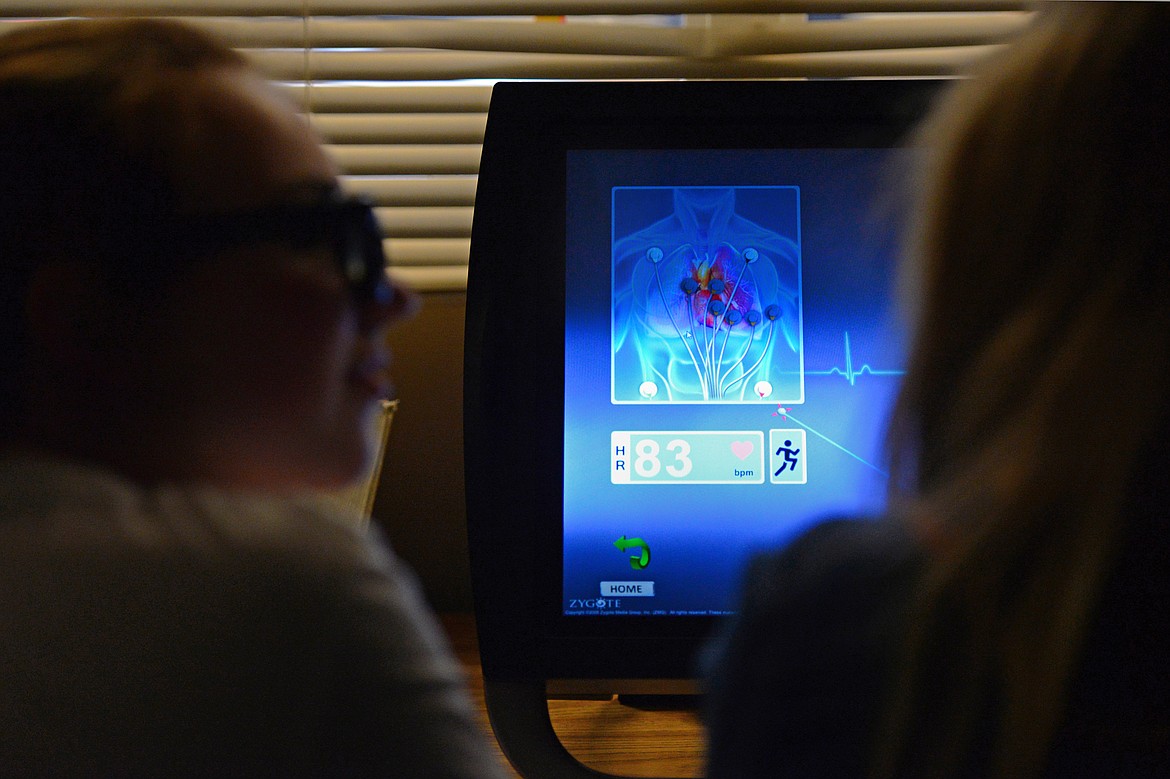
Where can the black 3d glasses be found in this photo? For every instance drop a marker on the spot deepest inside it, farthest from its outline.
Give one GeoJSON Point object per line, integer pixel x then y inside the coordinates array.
{"type": "Point", "coordinates": [345, 224]}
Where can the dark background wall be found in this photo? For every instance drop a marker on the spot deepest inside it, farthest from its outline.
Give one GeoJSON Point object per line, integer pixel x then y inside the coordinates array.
{"type": "Point", "coordinates": [420, 504]}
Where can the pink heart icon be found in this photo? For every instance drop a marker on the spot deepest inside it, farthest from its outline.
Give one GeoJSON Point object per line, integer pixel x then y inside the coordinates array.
{"type": "Point", "coordinates": [742, 449]}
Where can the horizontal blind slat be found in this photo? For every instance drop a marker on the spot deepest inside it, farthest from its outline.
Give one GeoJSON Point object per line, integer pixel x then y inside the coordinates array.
{"type": "Point", "coordinates": [385, 99]}
{"type": "Point", "coordinates": [442, 278]}
{"type": "Point", "coordinates": [670, 7]}
{"type": "Point", "coordinates": [771, 35]}
{"type": "Point", "coordinates": [418, 160]}
{"type": "Point", "coordinates": [885, 34]}
{"type": "Point", "coordinates": [400, 128]}
{"type": "Point", "coordinates": [426, 222]}
{"type": "Point", "coordinates": [414, 191]}
{"type": "Point", "coordinates": [29, 8]}
{"type": "Point", "coordinates": [427, 251]}
{"type": "Point", "coordinates": [425, 66]}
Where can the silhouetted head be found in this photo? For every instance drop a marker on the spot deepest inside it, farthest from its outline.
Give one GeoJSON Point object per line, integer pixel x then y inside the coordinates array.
{"type": "Point", "coordinates": [178, 268]}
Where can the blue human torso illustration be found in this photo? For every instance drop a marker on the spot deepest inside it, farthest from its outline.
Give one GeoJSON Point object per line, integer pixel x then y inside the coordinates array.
{"type": "Point", "coordinates": [707, 304]}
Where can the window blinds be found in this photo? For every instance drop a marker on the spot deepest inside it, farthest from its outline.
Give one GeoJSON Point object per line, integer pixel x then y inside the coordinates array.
{"type": "Point", "coordinates": [399, 90]}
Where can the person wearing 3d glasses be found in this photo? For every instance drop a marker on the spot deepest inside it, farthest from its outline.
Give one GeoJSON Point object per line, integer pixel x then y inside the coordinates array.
{"type": "Point", "coordinates": [193, 320]}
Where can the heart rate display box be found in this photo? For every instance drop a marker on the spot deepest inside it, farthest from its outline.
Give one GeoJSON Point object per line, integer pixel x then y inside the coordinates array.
{"type": "Point", "coordinates": [687, 457]}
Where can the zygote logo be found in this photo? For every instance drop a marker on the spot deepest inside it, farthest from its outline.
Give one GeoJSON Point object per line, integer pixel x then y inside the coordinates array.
{"type": "Point", "coordinates": [595, 603]}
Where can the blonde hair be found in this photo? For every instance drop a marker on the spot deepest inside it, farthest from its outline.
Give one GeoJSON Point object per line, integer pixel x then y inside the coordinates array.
{"type": "Point", "coordinates": [1038, 379]}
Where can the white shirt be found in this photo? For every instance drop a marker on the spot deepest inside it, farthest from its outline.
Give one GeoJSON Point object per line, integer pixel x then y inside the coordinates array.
{"type": "Point", "coordinates": [180, 630]}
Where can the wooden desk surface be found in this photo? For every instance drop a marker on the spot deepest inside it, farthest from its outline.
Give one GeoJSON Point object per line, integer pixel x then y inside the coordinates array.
{"type": "Point", "coordinates": [602, 734]}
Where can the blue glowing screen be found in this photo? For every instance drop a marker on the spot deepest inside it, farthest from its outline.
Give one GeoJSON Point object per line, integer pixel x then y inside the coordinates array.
{"type": "Point", "coordinates": [731, 353]}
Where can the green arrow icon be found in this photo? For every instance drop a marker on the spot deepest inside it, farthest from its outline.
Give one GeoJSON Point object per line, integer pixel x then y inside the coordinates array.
{"type": "Point", "coordinates": [638, 561]}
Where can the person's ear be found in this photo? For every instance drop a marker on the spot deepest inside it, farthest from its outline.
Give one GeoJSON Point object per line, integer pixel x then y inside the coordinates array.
{"type": "Point", "coordinates": [67, 309]}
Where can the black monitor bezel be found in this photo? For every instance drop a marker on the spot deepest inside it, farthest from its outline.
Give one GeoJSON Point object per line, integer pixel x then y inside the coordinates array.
{"type": "Point", "coordinates": [513, 430]}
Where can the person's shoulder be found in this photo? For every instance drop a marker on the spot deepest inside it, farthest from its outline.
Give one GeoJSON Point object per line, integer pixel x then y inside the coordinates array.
{"type": "Point", "coordinates": [794, 678]}
{"type": "Point", "coordinates": [307, 532]}
{"type": "Point", "coordinates": [67, 492]}
{"type": "Point", "coordinates": [60, 508]}
{"type": "Point", "coordinates": [842, 586]}
{"type": "Point", "coordinates": [837, 559]}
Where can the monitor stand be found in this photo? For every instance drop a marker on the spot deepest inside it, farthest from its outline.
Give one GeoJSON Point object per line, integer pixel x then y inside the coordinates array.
{"type": "Point", "coordinates": [656, 702]}
{"type": "Point", "coordinates": [518, 712]}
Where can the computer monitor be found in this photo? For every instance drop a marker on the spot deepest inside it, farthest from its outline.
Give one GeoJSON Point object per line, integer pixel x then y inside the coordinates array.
{"type": "Point", "coordinates": [682, 342]}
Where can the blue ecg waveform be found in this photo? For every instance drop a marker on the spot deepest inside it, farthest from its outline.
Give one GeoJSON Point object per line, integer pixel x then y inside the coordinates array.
{"type": "Point", "coordinates": [849, 373]}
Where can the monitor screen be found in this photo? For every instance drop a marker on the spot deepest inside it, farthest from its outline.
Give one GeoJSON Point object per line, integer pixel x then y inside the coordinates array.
{"type": "Point", "coordinates": [682, 345]}
{"type": "Point", "coordinates": [731, 351]}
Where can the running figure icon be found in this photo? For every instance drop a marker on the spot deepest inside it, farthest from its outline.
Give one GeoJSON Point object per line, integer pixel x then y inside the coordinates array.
{"type": "Point", "coordinates": [789, 455]}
